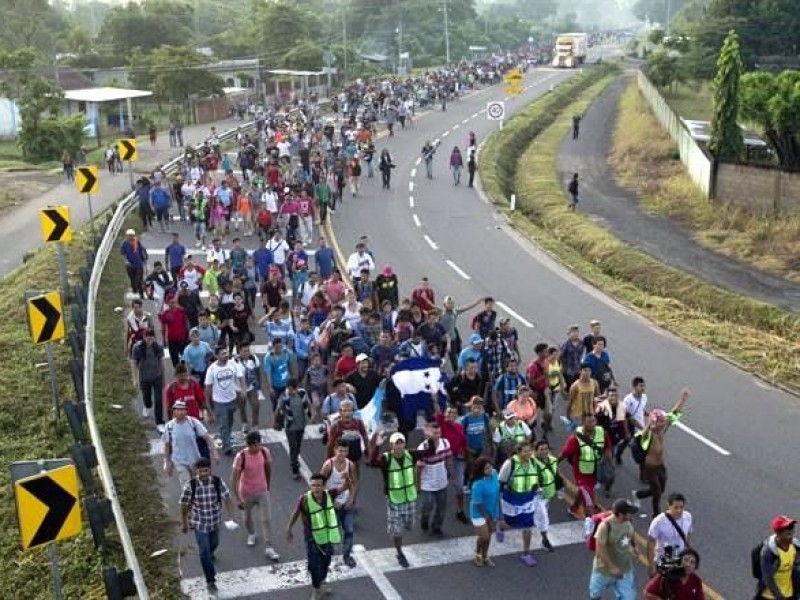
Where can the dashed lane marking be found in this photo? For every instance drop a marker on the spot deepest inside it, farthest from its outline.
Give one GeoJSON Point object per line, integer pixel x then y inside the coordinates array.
{"type": "Point", "coordinates": [410, 186]}
{"type": "Point", "coordinates": [417, 222]}
{"type": "Point", "coordinates": [445, 134]}
{"type": "Point", "coordinates": [411, 201]}
{"type": "Point", "coordinates": [413, 172]}
{"type": "Point", "coordinates": [457, 269]}
{"type": "Point", "coordinates": [514, 314]}
{"type": "Point", "coordinates": [703, 439]}
{"type": "Point", "coordinates": [431, 243]}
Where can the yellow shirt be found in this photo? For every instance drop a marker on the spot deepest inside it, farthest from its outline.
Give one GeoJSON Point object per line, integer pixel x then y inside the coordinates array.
{"type": "Point", "coordinates": [783, 576]}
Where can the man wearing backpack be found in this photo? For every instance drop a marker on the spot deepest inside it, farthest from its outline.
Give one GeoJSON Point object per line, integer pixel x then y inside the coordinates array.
{"type": "Point", "coordinates": [614, 552]}
{"type": "Point", "coordinates": [776, 562]}
{"type": "Point", "coordinates": [250, 481]}
{"type": "Point", "coordinates": [585, 449]}
{"type": "Point", "coordinates": [294, 413]}
{"type": "Point", "coordinates": [201, 509]}
{"type": "Point", "coordinates": [181, 448]}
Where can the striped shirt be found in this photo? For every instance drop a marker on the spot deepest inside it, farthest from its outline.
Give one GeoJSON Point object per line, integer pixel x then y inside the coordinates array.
{"type": "Point", "coordinates": [433, 475]}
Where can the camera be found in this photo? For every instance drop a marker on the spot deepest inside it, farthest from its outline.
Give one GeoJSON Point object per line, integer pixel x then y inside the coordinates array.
{"type": "Point", "coordinates": [670, 565]}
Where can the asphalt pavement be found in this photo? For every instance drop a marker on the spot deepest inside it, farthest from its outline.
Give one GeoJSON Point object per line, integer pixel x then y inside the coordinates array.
{"type": "Point", "coordinates": [731, 453]}
{"type": "Point", "coordinates": [618, 210]}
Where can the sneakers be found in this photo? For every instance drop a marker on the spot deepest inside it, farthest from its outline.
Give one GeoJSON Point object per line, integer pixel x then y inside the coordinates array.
{"type": "Point", "coordinates": [145, 412]}
{"type": "Point", "coordinates": [160, 428]}
{"type": "Point", "coordinates": [271, 554]}
{"type": "Point", "coordinates": [424, 524]}
{"type": "Point", "coordinates": [245, 428]}
{"type": "Point", "coordinates": [437, 532]}
{"type": "Point", "coordinates": [635, 500]}
{"type": "Point", "coordinates": [401, 558]}
{"type": "Point", "coordinates": [251, 539]}
{"type": "Point", "coordinates": [528, 559]}
{"type": "Point", "coordinates": [349, 561]}
{"type": "Point", "coordinates": [547, 545]}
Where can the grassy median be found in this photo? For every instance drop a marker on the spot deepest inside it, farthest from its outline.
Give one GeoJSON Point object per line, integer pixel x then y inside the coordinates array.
{"type": "Point", "coordinates": [27, 423]}
{"type": "Point", "coordinates": [760, 337]}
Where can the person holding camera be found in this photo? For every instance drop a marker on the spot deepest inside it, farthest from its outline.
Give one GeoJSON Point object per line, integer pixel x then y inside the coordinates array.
{"type": "Point", "coordinates": [677, 579]}
{"type": "Point", "coordinates": [671, 530]}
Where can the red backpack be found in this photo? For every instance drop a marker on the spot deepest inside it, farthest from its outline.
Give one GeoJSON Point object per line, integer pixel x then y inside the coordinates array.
{"type": "Point", "coordinates": [592, 524]}
{"type": "Point", "coordinates": [264, 218]}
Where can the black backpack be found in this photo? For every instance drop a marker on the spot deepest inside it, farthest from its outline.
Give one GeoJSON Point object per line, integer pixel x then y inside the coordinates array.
{"type": "Point", "coordinates": [217, 488]}
{"type": "Point", "coordinates": [637, 450]}
{"type": "Point", "coordinates": [755, 560]}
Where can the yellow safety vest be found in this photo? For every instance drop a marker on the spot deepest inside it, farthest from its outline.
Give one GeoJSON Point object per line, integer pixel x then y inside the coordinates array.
{"type": "Point", "coordinates": [523, 478]}
{"type": "Point", "coordinates": [401, 485]}
{"type": "Point", "coordinates": [590, 454]}
{"type": "Point", "coordinates": [324, 524]}
{"type": "Point", "coordinates": [517, 434]}
{"type": "Point", "coordinates": [547, 476]}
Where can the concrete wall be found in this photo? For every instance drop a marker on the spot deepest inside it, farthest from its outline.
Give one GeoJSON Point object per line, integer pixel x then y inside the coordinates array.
{"type": "Point", "coordinates": [765, 190]}
{"type": "Point", "coordinates": [697, 163]}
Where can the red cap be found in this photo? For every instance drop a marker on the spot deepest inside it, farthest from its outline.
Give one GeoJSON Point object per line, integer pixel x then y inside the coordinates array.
{"type": "Point", "coordinates": [782, 522]}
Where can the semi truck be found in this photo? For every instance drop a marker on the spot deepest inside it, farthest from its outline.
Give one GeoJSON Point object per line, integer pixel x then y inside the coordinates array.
{"type": "Point", "coordinates": [570, 50]}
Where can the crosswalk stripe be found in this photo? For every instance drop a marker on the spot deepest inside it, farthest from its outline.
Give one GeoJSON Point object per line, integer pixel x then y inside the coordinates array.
{"type": "Point", "coordinates": [203, 294]}
{"type": "Point", "coordinates": [261, 580]}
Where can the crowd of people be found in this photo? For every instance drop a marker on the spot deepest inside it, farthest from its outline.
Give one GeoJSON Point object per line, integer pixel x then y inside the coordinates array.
{"type": "Point", "coordinates": [335, 335]}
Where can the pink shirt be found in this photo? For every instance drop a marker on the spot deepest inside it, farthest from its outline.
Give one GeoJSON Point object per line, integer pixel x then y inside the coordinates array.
{"type": "Point", "coordinates": [253, 480]}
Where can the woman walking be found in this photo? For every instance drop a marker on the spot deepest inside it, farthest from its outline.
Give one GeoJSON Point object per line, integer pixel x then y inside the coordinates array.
{"type": "Point", "coordinates": [69, 167]}
{"type": "Point", "coordinates": [484, 508]}
{"type": "Point", "coordinates": [456, 164]}
{"type": "Point", "coordinates": [386, 165]}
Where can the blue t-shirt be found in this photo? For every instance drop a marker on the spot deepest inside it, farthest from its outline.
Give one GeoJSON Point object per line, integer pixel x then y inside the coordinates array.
{"type": "Point", "coordinates": [160, 198]}
{"type": "Point", "coordinates": [324, 261]}
{"type": "Point", "coordinates": [175, 253]}
{"type": "Point", "coordinates": [224, 194]}
{"type": "Point", "coordinates": [468, 353]}
{"type": "Point", "coordinates": [195, 356]}
{"type": "Point", "coordinates": [277, 367]}
{"type": "Point", "coordinates": [302, 343]}
{"type": "Point", "coordinates": [475, 428]}
{"type": "Point", "coordinates": [485, 491]}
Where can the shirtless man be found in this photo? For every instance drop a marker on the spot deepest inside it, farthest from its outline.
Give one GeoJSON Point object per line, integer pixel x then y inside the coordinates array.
{"type": "Point", "coordinates": [654, 471]}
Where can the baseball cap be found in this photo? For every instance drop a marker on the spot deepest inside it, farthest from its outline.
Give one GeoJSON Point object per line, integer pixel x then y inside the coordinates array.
{"type": "Point", "coordinates": [509, 414]}
{"type": "Point", "coordinates": [782, 522]}
{"type": "Point", "coordinates": [475, 339]}
{"type": "Point", "coordinates": [130, 232]}
{"type": "Point", "coordinates": [595, 322]}
{"type": "Point", "coordinates": [387, 270]}
{"type": "Point", "coordinates": [624, 507]}
{"type": "Point", "coordinates": [179, 404]}
{"type": "Point", "coordinates": [396, 437]}
{"type": "Point", "coordinates": [361, 357]}
{"type": "Point", "coordinates": [657, 414]}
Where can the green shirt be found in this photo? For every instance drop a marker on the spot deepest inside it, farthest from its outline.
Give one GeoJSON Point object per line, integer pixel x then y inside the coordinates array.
{"type": "Point", "coordinates": [617, 539]}
{"type": "Point", "coordinates": [322, 192]}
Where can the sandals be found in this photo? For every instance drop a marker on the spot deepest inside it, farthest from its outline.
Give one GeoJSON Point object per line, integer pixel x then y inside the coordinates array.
{"type": "Point", "coordinates": [487, 562]}
{"type": "Point", "coordinates": [477, 559]}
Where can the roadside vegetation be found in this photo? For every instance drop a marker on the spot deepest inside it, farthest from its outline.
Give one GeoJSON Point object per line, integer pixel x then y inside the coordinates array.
{"type": "Point", "coordinates": [644, 157]}
{"type": "Point", "coordinates": [759, 337]}
{"type": "Point", "coordinates": [27, 421]}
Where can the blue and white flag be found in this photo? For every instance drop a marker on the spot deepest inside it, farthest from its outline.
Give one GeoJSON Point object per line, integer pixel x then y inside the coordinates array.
{"type": "Point", "coordinates": [416, 379]}
{"type": "Point", "coordinates": [371, 413]}
{"type": "Point", "coordinates": [517, 509]}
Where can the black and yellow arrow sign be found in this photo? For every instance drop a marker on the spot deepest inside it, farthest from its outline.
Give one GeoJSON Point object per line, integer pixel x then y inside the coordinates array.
{"type": "Point", "coordinates": [127, 150]}
{"type": "Point", "coordinates": [47, 507]}
{"type": "Point", "coordinates": [46, 318]}
{"type": "Point", "coordinates": [87, 179]}
{"type": "Point", "coordinates": [55, 224]}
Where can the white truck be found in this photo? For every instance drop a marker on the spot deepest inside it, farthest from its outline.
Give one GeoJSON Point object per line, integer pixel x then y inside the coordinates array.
{"type": "Point", "coordinates": [570, 50]}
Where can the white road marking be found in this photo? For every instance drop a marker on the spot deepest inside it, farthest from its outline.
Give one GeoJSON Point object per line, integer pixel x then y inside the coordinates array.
{"type": "Point", "coordinates": [514, 314]}
{"type": "Point", "coordinates": [200, 255]}
{"type": "Point", "coordinates": [416, 220]}
{"type": "Point", "coordinates": [436, 141]}
{"type": "Point", "coordinates": [418, 161]}
{"type": "Point", "coordinates": [385, 587]}
{"type": "Point", "coordinates": [413, 172]}
{"type": "Point", "coordinates": [701, 438]}
{"type": "Point", "coordinates": [246, 583]}
{"type": "Point", "coordinates": [457, 269]}
{"type": "Point", "coordinates": [445, 134]}
{"type": "Point", "coordinates": [465, 121]}
{"type": "Point", "coordinates": [475, 115]}
{"type": "Point", "coordinates": [456, 126]}
{"type": "Point", "coordinates": [431, 243]}
{"type": "Point", "coordinates": [410, 186]}
{"type": "Point", "coordinates": [411, 201]}
{"type": "Point", "coordinates": [268, 436]}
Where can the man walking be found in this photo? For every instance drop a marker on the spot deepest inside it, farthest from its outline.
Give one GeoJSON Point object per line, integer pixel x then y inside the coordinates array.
{"type": "Point", "coordinates": [201, 509]}
{"type": "Point", "coordinates": [181, 450]}
{"type": "Point", "coordinates": [613, 558]}
{"type": "Point", "coordinates": [135, 255]}
{"type": "Point", "coordinates": [293, 413]}
{"type": "Point", "coordinates": [223, 382]}
{"type": "Point", "coordinates": [435, 471]}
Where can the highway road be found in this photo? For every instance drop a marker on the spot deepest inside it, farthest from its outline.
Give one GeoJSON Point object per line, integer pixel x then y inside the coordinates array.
{"type": "Point", "coordinates": [732, 457]}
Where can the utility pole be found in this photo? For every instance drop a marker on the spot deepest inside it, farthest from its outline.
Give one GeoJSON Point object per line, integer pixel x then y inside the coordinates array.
{"type": "Point", "coordinates": [400, 47]}
{"type": "Point", "coordinates": [344, 38]}
{"type": "Point", "coordinates": [669, 17]}
{"type": "Point", "coordinates": [446, 33]}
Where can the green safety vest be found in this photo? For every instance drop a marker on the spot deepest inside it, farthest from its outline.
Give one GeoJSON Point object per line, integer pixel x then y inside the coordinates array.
{"type": "Point", "coordinates": [517, 434]}
{"type": "Point", "coordinates": [523, 479]}
{"type": "Point", "coordinates": [324, 524]}
{"type": "Point", "coordinates": [645, 441]}
{"type": "Point", "coordinates": [590, 454]}
{"type": "Point", "coordinates": [547, 476]}
{"type": "Point", "coordinates": [402, 487]}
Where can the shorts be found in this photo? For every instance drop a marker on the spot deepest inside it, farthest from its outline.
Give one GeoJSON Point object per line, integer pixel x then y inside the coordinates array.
{"type": "Point", "coordinates": [399, 516]}
{"type": "Point", "coordinates": [624, 587]}
{"type": "Point", "coordinates": [543, 402]}
{"type": "Point", "coordinates": [479, 522]}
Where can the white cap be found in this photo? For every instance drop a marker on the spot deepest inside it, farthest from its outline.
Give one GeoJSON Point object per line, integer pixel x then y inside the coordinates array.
{"type": "Point", "coordinates": [395, 437]}
{"type": "Point", "coordinates": [361, 357]}
{"type": "Point", "coordinates": [130, 232]}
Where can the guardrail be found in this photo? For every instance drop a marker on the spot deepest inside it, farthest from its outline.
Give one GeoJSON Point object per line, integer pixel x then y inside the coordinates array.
{"type": "Point", "coordinates": [107, 245]}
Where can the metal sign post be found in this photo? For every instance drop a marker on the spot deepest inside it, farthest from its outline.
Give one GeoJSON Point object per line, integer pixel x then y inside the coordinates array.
{"type": "Point", "coordinates": [128, 153]}
{"type": "Point", "coordinates": [87, 178]}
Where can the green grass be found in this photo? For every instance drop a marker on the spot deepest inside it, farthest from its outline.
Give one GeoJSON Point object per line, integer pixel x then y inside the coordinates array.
{"type": "Point", "coordinates": [759, 337]}
{"type": "Point", "coordinates": [692, 101]}
{"type": "Point", "coordinates": [28, 433]}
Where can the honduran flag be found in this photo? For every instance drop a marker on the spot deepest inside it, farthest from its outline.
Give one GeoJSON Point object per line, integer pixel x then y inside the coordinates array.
{"type": "Point", "coordinates": [371, 413]}
{"type": "Point", "coordinates": [416, 378]}
{"type": "Point", "coordinates": [517, 509]}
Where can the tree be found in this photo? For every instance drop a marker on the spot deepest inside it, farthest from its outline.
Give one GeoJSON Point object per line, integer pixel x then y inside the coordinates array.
{"type": "Point", "coordinates": [145, 27]}
{"type": "Point", "coordinates": [174, 73]}
{"type": "Point", "coordinates": [663, 68]}
{"type": "Point", "coordinates": [773, 103]}
{"type": "Point", "coordinates": [727, 141]}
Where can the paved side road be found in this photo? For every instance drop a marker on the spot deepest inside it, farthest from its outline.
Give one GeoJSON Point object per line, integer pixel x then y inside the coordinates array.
{"type": "Point", "coordinates": [618, 210]}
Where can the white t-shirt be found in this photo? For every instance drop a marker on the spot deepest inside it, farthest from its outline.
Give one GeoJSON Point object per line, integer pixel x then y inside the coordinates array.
{"type": "Point", "coordinates": [182, 435]}
{"type": "Point", "coordinates": [357, 261]}
{"type": "Point", "coordinates": [223, 380]}
{"type": "Point", "coordinates": [270, 200]}
{"type": "Point", "coordinates": [278, 249]}
{"type": "Point", "coordinates": [433, 475]}
{"type": "Point", "coordinates": [665, 534]}
{"type": "Point", "coordinates": [221, 255]}
{"type": "Point", "coordinates": [635, 406]}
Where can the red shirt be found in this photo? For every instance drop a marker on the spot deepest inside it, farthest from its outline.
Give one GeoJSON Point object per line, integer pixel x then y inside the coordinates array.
{"type": "Point", "coordinates": [572, 452]}
{"type": "Point", "coordinates": [193, 394]}
{"type": "Point", "coordinates": [537, 375]}
{"type": "Point", "coordinates": [691, 590]}
{"type": "Point", "coordinates": [453, 433]}
{"type": "Point", "coordinates": [344, 366]}
{"type": "Point", "coordinates": [424, 298]}
{"type": "Point", "coordinates": [175, 323]}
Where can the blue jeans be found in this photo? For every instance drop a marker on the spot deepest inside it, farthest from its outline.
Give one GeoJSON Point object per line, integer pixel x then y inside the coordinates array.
{"type": "Point", "coordinates": [623, 588]}
{"type": "Point", "coordinates": [224, 411]}
{"type": "Point", "coordinates": [429, 168]}
{"type": "Point", "coordinates": [207, 542]}
{"type": "Point", "coordinates": [456, 175]}
{"type": "Point", "coordinates": [346, 521]}
{"type": "Point", "coordinates": [319, 561]}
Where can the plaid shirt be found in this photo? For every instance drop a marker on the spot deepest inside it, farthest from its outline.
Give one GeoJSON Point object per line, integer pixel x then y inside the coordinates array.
{"type": "Point", "coordinates": [206, 510]}
{"type": "Point", "coordinates": [494, 358]}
